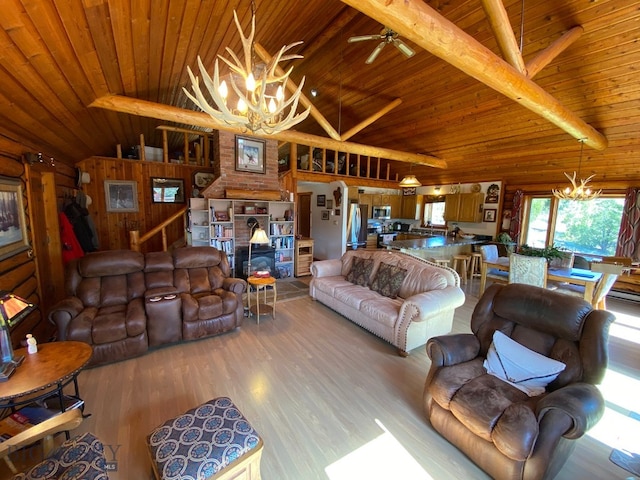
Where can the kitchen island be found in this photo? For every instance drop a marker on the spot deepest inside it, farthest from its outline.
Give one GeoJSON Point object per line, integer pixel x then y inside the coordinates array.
{"type": "Point", "coordinates": [436, 246]}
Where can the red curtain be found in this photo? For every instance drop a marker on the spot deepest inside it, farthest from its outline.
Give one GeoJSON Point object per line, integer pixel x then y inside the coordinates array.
{"type": "Point", "coordinates": [629, 236]}
{"type": "Point", "coordinates": [516, 216]}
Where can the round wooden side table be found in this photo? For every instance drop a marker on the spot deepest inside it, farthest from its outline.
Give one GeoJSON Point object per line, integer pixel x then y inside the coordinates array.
{"type": "Point", "coordinates": [262, 284]}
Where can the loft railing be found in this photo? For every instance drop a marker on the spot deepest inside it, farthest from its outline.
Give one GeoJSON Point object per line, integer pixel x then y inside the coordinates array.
{"type": "Point", "coordinates": [135, 240]}
{"type": "Point", "coordinates": [309, 159]}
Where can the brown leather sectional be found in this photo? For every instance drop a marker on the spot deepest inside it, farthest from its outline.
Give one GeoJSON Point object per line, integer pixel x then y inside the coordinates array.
{"type": "Point", "coordinates": [123, 302]}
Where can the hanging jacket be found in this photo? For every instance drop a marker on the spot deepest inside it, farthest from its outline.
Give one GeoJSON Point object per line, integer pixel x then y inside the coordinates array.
{"type": "Point", "coordinates": [70, 246]}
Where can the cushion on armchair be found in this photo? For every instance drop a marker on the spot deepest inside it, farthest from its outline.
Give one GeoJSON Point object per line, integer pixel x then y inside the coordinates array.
{"type": "Point", "coordinates": [517, 365]}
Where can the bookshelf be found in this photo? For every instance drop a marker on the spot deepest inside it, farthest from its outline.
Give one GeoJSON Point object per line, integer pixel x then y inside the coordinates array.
{"type": "Point", "coordinates": [226, 225]}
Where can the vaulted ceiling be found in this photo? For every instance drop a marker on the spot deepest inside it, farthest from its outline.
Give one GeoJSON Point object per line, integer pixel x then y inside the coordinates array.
{"type": "Point", "coordinates": [57, 57]}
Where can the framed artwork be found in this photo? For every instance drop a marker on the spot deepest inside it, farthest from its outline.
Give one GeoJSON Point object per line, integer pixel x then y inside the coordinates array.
{"type": "Point", "coordinates": [489, 215]}
{"type": "Point", "coordinates": [493, 194]}
{"type": "Point", "coordinates": [322, 200]}
{"type": "Point", "coordinates": [203, 179]}
{"type": "Point", "coordinates": [167, 190]}
{"type": "Point", "coordinates": [121, 195]}
{"type": "Point", "coordinates": [337, 212]}
{"type": "Point", "coordinates": [408, 191]}
{"type": "Point", "coordinates": [325, 215]}
{"type": "Point", "coordinates": [13, 231]}
{"type": "Point", "coordinates": [330, 204]}
{"type": "Point", "coordinates": [250, 155]}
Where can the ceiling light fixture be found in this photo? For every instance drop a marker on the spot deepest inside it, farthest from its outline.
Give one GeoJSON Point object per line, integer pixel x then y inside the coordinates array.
{"type": "Point", "coordinates": [261, 106]}
{"type": "Point", "coordinates": [581, 192]}
{"type": "Point", "coordinates": [410, 180]}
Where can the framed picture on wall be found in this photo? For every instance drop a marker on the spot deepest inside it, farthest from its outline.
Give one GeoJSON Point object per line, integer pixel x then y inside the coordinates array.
{"type": "Point", "coordinates": [325, 215]}
{"type": "Point", "coordinates": [13, 233]}
{"type": "Point", "coordinates": [250, 155]}
{"type": "Point", "coordinates": [121, 195]}
{"type": "Point", "coordinates": [489, 215]}
{"type": "Point", "coordinates": [322, 200]}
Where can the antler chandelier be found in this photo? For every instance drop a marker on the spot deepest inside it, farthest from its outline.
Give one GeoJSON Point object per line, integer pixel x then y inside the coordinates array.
{"type": "Point", "coordinates": [581, 192]}
{"type": "Point", "coordinates": [261, 106]}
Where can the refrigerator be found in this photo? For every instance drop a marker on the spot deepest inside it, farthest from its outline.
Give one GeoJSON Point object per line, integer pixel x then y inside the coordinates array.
{"type": "Point", "coordinates": [357, 226]}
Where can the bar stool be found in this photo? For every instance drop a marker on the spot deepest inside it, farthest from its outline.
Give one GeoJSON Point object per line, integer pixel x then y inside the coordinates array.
{"type": "Point", "coordinates": [463, 261]}
{"type": "Point", "coordinates": [474, 265]}
{"type": "Point", "coordinates": [443, 262]}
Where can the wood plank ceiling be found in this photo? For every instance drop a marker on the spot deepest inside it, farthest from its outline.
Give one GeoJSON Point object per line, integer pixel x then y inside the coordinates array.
{"type": "Point", "coordinates": [56, 57]}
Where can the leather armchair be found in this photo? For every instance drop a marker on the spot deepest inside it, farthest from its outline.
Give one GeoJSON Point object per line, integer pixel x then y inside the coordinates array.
{"type": "Point", "coordinates": [211, 300]}
{"type": "Point", "coordinates": [505, 432]}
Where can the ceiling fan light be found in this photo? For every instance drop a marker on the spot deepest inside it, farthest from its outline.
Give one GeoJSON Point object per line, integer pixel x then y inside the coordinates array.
{"type": "Point", "coordinates": [410, 181]}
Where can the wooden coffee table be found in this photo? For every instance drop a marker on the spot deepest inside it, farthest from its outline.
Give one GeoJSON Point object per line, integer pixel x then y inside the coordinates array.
{"type": "Point", "coordinates": [45, 373]}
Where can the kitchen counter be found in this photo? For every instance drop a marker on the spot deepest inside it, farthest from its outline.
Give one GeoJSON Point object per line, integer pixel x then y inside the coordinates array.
{"type": "Point", "coordinates": [437, 241]}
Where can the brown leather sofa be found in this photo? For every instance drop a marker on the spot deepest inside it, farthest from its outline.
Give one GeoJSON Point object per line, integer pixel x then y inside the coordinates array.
{"type": "Point", "coordinates": [122, 302]}
{"type": "Point", "coordinates": [507, 433]}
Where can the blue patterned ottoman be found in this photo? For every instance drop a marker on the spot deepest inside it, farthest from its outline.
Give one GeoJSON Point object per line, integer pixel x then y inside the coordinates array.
{"type": "Point", "coordinates": [212, 441]}
{"type": "Point", "coordinates": [78, 458]}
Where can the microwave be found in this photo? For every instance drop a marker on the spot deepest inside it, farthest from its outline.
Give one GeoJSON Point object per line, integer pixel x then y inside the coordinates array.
{"type": "Point", "coordinates": [381, 212]}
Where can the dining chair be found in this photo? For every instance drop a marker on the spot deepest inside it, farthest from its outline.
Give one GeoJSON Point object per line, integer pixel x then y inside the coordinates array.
{"type": "Point", "coordinates": [566, 261]}
{"type": "Point", "coordinates": [610, 273]}
{"type": "Point", "coordinates": [490, 254]}
{"type": "Point", "coordinates": [528, 270]}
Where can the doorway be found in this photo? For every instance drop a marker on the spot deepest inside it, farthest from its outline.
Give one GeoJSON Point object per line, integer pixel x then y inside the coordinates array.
{"type": "Point", "coordinates": [303, 220]}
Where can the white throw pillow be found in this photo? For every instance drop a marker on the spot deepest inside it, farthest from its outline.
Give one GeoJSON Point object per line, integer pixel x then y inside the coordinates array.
{"type": "Point", "coordinates": [517, 365]}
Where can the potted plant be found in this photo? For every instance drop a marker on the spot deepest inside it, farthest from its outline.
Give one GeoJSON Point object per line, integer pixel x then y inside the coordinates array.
{"type": "Point", "coordinates": [550, 252]}
{"type": "Point", "coordinates": [506, 240]}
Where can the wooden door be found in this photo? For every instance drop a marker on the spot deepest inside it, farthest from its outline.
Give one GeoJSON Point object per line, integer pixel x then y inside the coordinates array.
{"type": "Point", "coordinates": [303, 219]}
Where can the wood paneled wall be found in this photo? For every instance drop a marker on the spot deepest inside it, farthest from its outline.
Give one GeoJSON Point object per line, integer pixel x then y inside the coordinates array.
{"type": "Point", "coordinates": [18, 273]}
{"type": "Point", "coordinates": [112, 227]}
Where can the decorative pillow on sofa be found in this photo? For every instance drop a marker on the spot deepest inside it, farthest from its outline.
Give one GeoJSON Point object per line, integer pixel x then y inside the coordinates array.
{"type": "Point", "coordinates": [388, 280]}
{"type": "Point", "coordinates": [517, 365]}
{"type": "Point", "coordinates": [360, 271]}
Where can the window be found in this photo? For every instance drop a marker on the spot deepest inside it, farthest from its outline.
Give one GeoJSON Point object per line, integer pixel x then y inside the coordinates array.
{"type": "Point", "coordinates": [433, 213]}
{"type": "Point", "coordinates": [589, 228]}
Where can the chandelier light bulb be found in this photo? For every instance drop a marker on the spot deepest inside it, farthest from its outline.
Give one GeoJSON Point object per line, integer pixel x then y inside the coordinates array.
{"type": "Point", "coordinates": [223, 90]}
{"type": "Point", "coordinates": [251, 83]}
{"type": "Point", "coordinates": [280, 94]}
{"type": "Point", "coordinates": [242, 106]}
{"type": "Point", "coordinates": [272, 106]}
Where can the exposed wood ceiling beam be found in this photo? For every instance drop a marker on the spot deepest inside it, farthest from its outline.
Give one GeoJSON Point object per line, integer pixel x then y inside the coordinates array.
{"type": "Point", "coordinates": [368, 121]}
{"type": "Point", "coordinates": [133, 106]}
{"type": "Point", "coordinates": [546, 56]}
{"type": "Point", "coordinates": [292, 87]}
{"type": "Point", "coordinates": [415, 20]}
{"type": "Point", "coordinates": [501, 26]}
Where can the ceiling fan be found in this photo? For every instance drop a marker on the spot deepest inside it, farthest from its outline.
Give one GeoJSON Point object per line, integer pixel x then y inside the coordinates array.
{"type": "Point", "coordinates": [386, 36]}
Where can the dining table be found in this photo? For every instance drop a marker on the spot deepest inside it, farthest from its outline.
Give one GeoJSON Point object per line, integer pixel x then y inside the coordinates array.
{"type": "Point", "coordinates": [575, 276]}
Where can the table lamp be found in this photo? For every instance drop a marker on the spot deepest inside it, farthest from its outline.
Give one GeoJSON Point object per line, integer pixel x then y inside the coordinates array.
{"type": "Point", "coordinates": [12, 310]}
{"type": "Point", "coordinates": [259, 237]}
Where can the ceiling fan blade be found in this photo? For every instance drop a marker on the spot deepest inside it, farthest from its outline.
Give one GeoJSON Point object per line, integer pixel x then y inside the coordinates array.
{"type": "Point", "coordinates": [403, 47]}
{"type": "Point", "coordinates": [375, 52]}
{"type": "Point", "coordinates": [362, 38]}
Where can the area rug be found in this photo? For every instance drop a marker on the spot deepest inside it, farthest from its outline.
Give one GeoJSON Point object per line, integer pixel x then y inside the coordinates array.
{"type": "Point", "coordinates": [290, 289]}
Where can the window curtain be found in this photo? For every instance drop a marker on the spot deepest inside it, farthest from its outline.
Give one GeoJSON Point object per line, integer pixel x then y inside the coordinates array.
{"type": "Point", "coordinates": [629, 236]}
{"type": "Point", "coordinates": [516, 216]}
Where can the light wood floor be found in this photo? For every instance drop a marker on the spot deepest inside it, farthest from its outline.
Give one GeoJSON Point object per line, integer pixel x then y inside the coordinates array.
{"type": "Point", "coordinates": [311, 383]}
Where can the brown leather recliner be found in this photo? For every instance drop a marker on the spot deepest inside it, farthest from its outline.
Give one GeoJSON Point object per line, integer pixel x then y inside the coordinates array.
{"type": "Point", "coordinates": [504, 431]}
{"type": "Point", "coordinates": [211, 300]}
{"type": "Point", "coordinates": [105, 305]}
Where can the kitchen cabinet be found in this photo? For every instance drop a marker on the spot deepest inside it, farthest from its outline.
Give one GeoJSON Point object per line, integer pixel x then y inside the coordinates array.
{"type": "Point", "coordinates": [411, 207]}
{"type": "Point", "coordinates": [395, 201]}
{"type": "Point", "coordinates": [376, 200]}
{"type": "Point", "coordinates": [463, 207]}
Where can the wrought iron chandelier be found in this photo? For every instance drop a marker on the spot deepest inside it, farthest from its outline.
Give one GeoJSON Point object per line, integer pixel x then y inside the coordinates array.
{"type": "Point", "coordinates": [261, 106]}
{"type": "Point", "coordinates": [579, 192]}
